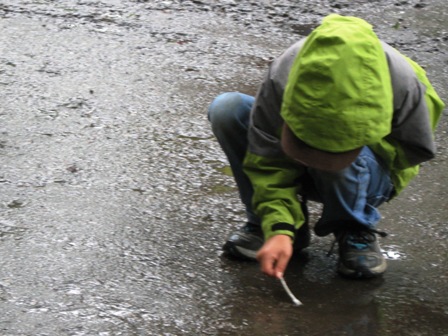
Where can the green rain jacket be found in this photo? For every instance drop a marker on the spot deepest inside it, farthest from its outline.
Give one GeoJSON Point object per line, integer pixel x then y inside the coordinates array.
{"type": "Point", "coordinates": [401, 106]}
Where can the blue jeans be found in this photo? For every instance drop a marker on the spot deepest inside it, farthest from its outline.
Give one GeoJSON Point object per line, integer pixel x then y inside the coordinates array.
{"type": "Point", "coordinates": [350, 196]}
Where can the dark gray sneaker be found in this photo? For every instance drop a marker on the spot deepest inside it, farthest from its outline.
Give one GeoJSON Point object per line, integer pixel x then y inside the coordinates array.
{"type": "Point", "coordinates": [245, 242]}
{"type": "Point", "coordinates": [359, 254]}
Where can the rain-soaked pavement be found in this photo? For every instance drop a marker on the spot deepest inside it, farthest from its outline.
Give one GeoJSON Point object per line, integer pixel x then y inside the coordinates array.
{"type": "Point", "coordinates": [115, 198]}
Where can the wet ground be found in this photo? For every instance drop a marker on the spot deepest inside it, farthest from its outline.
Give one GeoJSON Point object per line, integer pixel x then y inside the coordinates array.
{"type": "Point", "coordinates": [115, 198]}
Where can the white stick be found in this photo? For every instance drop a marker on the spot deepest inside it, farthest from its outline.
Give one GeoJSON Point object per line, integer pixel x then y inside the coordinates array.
{"type": "Point", "coordinates": [295, 300]}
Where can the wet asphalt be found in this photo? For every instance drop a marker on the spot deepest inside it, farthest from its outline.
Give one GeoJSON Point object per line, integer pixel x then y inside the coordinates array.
{"type": "Point", "coordinates": [115, 198]}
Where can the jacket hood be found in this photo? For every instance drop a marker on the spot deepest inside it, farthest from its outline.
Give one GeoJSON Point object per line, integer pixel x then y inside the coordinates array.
{"type": "Point", "coordinates": [339, 93]}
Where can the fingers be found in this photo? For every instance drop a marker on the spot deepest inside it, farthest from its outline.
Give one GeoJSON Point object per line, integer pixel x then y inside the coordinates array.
{"type": "Point", "coordinates": [273, 265]}
{"type": "Point", "coordinates": [267, 263]}
{"type": "Point", "coordinates": [274, 255]}
{"type": "Point", "coordinates": [280, 266]}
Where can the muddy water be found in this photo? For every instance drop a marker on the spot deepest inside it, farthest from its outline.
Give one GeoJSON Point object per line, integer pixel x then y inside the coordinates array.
{"type": "Point", "coordinates": [115, 198]}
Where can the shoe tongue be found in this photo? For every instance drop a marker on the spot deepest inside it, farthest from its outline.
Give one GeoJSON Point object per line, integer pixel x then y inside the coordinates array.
{"type": "Point", "coordinates": [252, 229]}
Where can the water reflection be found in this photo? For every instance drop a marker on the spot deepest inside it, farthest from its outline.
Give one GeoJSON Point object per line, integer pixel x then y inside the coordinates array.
{"type": "Point", "coordinates": [393, 252]}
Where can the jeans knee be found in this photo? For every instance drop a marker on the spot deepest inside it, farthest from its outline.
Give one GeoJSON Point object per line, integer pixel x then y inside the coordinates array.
{"type": "Point", "coordinates": [228, 111]}
{"type": "Point", "coordinates": [223, 106]}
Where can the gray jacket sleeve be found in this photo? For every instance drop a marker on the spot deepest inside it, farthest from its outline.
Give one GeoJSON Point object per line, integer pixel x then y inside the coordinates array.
{"type": "Point", "coordinates": [266, 122]}
{"type": "Point", "coordinates": [411, 126]}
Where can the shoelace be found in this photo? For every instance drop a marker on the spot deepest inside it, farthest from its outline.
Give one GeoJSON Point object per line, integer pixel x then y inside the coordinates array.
{"type": "Point", "coordinates": [364, 235]}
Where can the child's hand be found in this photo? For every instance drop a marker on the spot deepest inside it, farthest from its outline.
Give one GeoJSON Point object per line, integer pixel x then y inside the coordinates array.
{"type": "Point", "coordinates": [274, 255]}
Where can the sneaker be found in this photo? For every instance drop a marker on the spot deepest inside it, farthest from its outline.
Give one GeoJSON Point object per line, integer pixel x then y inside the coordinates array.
{"type": "Point", "coordinates": [245, 242]}
{"type": "Point", "coordinates": [359, 254]}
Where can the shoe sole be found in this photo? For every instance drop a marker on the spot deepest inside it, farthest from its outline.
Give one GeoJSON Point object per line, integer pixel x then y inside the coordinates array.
{"type": "Point", "coordinates": [240, 252]}
{"type": "Point", "coordinates": [247, 254]}
{"type": "Point", "coordinates": [364, 273]}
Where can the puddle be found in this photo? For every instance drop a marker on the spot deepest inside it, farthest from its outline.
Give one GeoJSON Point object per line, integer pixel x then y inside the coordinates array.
{"type": "Point", "coordinates": [393, 252]}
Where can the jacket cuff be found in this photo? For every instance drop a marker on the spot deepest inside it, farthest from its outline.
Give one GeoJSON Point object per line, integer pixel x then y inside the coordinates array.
{"type": "Point", "coordinates": [282, 228]}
